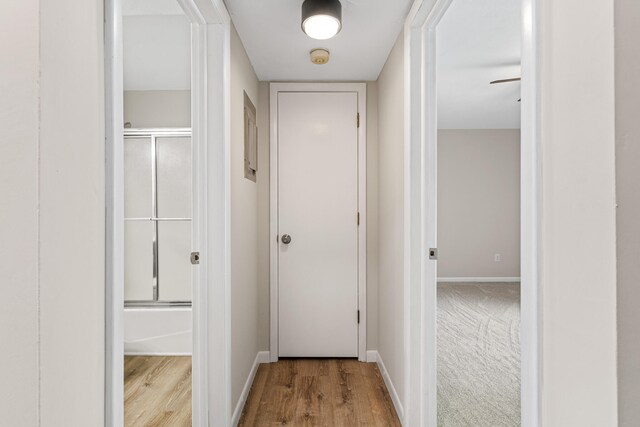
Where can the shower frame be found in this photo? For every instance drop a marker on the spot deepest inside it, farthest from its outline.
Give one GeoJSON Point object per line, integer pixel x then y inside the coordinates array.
{"type": "Point", "coordinates": [153, 134]}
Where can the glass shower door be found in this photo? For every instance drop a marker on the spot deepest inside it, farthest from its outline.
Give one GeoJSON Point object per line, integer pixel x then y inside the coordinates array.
{"type": "Point", "coordinates": [139, 230]}
{"type": "Point", "coordinates": [157, 217]}
{"type": "Point", "coordinates": [174, 217]}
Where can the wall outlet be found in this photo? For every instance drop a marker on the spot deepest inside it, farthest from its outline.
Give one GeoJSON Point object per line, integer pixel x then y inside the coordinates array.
{"type": "Point", "coordinates": [497, 257]}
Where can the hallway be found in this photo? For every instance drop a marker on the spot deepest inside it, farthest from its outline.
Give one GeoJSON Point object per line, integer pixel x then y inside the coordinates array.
{"type": "Point", "coordinates": [70, 111]}
{"type": "Point", "coordinates": [319, 392]}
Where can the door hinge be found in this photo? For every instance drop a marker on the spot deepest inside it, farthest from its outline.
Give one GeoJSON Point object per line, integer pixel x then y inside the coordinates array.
{"type": "Point", "coordinates": [433, 253]}
{"type": "Point", "coordinates": [358, 317]}
{"type": "Point", "coordinates": [358, 218]}
{"type": "Point", "coordinates": [195, 258]}
{"type": "Point", "coordinates": [358, 119]}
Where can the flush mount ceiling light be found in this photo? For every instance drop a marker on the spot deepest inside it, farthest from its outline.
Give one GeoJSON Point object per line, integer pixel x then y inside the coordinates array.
{"type": "Point", "coordinates": [321, 19]}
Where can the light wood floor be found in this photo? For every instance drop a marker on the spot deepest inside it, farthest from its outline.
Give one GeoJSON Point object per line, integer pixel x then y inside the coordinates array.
{"type": "Point", "coordinates": [319, 392]}
{"type": "Point", "coordinates": [157, 391]}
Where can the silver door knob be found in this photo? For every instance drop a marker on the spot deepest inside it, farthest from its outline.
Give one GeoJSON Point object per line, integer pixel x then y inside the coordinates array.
{"type": "Point", "coordinates": [286, 239]}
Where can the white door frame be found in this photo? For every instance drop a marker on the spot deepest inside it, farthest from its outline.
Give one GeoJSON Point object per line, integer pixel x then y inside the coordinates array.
{"type": "Point", "coordinates": [361, 90]}
{"type": "Point", "coordinates": [421, 220]}
{"type": "Point", "coordinates": [210, 108]}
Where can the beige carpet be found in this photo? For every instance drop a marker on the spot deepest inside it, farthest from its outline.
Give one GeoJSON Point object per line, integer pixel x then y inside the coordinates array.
{"type": "Point", "coordinates": [478, 355]}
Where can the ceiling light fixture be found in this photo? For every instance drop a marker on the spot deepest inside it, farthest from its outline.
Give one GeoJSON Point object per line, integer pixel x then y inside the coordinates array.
{"type": "Point", "coordinates": [321, 19]}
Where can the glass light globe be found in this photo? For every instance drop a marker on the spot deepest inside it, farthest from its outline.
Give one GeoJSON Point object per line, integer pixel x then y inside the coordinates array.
{"type": "Point", "coordinates": [321, 27]}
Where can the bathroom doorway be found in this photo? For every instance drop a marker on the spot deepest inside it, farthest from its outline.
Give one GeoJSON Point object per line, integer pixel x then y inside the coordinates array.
{"type": "Point", "coordinates": [158, 201]}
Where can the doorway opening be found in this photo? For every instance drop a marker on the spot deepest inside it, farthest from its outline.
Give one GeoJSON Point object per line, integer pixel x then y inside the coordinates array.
{"type": "Point", "coordinates": [158, 206]}
{"type": "Point", "coordinates": [425, 138]}
{"type": "Point", "coordinates": [165, 70]}
{"type": "Point", "coordinates": [478, 213]}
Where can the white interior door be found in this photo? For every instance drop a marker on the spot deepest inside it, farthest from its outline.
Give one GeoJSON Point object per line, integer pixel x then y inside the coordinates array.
{"type": "Point", "coordinates": [317, 208]}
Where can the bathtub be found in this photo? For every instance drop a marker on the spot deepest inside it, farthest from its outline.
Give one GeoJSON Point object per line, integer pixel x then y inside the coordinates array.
{"type": "Point", "coordinates": [161, 331]}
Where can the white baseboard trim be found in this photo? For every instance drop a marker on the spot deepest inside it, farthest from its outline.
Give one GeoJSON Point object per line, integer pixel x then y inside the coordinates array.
{"type": "Point", "coordinates": [261, 357]}
{"type": "Point", "coordinates": [387, 381]}
{"type": "Point", "coordinates": [154, 353]}
{"type": "Point", "coordinates": [479, 279]}
{"type": "Point", "coordinates": [372, 356]}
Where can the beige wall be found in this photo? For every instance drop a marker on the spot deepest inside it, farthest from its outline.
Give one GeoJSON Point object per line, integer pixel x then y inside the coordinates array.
{"type": "Point", "coordinates": [391, 215]}
{"type": "Point", "coordinates": [19, 217]}
{"type": "Point", "coordinates": [627, 23]}
{"type": "Point", "coordinates": [244, 228]}
{"type": "Point", "coordinates": [52, 224]}
{"type": "Point", "coordinates": [478, 203]}
{"type": "Point", "coordinates": [72, 219]}
{"type": "Point", "coordinates": [157, 108]}
{"type": "Point", "coordinates": [578, 253]}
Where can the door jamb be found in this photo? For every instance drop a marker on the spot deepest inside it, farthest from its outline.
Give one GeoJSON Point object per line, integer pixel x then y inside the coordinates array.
{"type": "Point", "coordinates": [361, 90]}
{"type": "Point", "coordinates": [211, 386]}
{"type": "Point", "coordinates": [420, 215]}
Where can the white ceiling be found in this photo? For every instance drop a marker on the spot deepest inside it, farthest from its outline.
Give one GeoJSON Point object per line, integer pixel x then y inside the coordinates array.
{"type": "Point", "coordinates": [156, 46]}
{"type": "Point", "coordinates": [279, 50]}
{"type": "Point", "coordinates": [479, 41]}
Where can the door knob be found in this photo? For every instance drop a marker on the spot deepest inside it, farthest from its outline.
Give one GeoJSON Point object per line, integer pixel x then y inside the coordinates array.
{"type": "Point", "coordinates": [286, 239]}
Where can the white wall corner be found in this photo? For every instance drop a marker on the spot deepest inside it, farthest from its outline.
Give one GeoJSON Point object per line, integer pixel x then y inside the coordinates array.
{"type": "Point", "coordinates": [261, 357]}
{"type": "Point", "coordinates": [387, 381]}
{"type": "Point", "coordinates": [372, 356]}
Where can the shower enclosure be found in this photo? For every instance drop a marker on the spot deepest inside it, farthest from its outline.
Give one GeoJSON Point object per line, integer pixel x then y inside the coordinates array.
{"type": "Point", "coordinates": [157, 190]}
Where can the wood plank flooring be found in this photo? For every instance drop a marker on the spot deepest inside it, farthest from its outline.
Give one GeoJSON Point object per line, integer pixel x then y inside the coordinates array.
{"type": "Point", "coordinates": [319, 392]}
{"type": "Point", "coordinates": [157, 391]}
